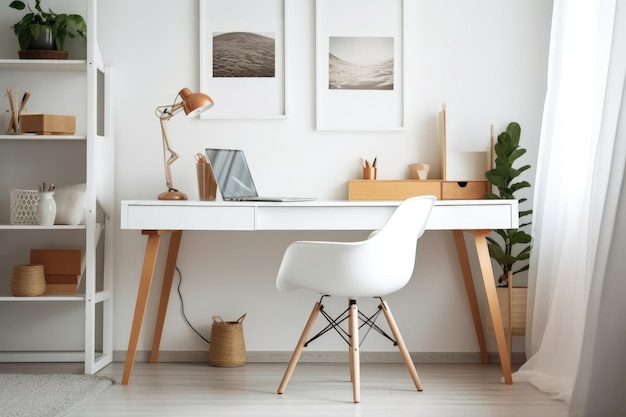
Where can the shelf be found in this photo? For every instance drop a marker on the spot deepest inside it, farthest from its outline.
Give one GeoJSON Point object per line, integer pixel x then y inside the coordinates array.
{"type": "Point", "coordinates": [80, 87]}
{"type": "Point", "coordinates": [99, 297]}
{"type": "Point", "coordinates": [43, 64]}
{"type": "Point", "coordinates": [43, 298]}
{"type": "Point", "coordinates": [39, 227]}
{"type": "Point", "coordinates": [42, 137]}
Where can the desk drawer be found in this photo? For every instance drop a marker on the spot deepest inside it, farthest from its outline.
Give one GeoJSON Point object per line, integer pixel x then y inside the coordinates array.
{"type": "Point", "coordinates": [188, 218]}
{"type": "Point", "coordinates": [463, 190]}
{"type": "Point", "coordinates": [322, 217]}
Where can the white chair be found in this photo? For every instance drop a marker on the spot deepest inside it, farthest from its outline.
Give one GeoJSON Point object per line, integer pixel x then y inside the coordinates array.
{"type": "Point", "coordinates": [375, 267]}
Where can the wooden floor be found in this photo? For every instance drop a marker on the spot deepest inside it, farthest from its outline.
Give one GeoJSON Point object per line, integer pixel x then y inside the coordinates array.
{"type": "Point", "coordinates": [182, 390]}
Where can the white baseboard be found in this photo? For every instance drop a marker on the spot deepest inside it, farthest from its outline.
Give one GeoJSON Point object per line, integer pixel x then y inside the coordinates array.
{"type": "Point", "coordinates": [325, 357]}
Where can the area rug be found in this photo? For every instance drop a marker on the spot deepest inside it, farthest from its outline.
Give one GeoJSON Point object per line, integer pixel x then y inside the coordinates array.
{"type": "Point", "coordinates": [47, 395]}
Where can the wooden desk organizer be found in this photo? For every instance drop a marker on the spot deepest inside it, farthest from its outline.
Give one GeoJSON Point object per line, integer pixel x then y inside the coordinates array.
{"type": "Point", "coordinates": [403, 189]}
{"type": "Point", "coordinates": [448, 188]}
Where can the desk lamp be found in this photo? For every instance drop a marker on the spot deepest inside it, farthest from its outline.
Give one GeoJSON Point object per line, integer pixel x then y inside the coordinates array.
{"type": "Point", "coordinates": [193, 104]}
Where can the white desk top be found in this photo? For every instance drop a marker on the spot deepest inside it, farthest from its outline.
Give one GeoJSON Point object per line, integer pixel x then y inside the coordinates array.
{"type": "Point", "coordinates": [309, 215]}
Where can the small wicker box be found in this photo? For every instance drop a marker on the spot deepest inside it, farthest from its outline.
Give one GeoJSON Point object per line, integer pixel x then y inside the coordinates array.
{"type": "Point", "coordinates": [24, 206]}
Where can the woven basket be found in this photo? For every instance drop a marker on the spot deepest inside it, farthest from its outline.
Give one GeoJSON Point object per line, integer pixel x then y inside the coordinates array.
{"type": "Point", "coordinates": [227, 345]}
{"type": "Point", "coordinates": [28, 281]}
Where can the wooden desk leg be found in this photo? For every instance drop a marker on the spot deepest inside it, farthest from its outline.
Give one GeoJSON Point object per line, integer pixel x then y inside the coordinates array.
{"type": "Point", "coordinates": [461, 249]}
{"type": "Point", "coordinates": [168, 278]}
{"type": "Point", "coordinates": [492, 300]}
{"type": "Point", "coordinates": [147, 271]}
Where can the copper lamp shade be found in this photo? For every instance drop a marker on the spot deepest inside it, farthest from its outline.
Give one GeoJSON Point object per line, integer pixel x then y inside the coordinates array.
{"type": "Point", "coordinates": [193, 104]}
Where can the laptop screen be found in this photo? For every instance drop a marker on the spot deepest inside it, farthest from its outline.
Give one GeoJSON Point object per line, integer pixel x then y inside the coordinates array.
{"type": "Point", "coordinates": [231, 173]}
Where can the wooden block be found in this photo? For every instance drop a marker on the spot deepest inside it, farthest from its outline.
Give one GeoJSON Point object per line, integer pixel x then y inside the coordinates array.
{"type": "Point", "coordinates": [48, 124]}
{"type": "Point", "coordinates": [392, 189]}
{"type": "Point", "coordinates": [58, 261]}
{"type": "Point", "coordinates": [463, 190]}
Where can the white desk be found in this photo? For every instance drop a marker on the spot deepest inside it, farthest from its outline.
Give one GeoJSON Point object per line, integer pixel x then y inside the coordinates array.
{"type": "Point", "coordinates": [155, 218]}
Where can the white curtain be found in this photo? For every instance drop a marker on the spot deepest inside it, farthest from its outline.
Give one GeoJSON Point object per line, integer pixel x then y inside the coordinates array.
{"type": "Point", "coordinates": [575, 315]}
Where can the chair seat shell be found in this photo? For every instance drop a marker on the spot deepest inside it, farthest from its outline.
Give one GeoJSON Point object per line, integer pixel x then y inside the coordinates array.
{"type": "Point", "coordinates": [379, 265]}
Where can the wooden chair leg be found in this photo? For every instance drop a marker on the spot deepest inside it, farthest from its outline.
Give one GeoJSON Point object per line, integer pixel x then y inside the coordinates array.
{"type": "Point", "coordinates": [355, 370]}
{"type": "Point", "coordinates": [299, 347]}
{"type": "Point", "coordinates": [401, 345]}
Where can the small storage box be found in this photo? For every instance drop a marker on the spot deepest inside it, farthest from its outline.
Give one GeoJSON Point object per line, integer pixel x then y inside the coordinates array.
{"type": "Point", "coordinates": [62, 268]}
{"type": "Point", "coordinates": [48, 124]}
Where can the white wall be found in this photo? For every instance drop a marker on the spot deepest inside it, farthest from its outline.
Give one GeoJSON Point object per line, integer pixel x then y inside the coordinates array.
{"type": "Point", "coordinates": [486, 59]}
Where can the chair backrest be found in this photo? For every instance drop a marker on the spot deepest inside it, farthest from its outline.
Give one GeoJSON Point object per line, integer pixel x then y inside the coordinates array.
{"type": "Point", "coordinates": [379, 265]}
{"type": "Point", "coordinates": [395, 244]}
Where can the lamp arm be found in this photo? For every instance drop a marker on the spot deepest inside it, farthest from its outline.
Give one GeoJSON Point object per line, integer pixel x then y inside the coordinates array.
{"type": "Point", "coordinates": [173, 155]}
{"type": "Point", "coordinates": [165, 113]}
{"type": "Point", "coordinates": [169, 111]}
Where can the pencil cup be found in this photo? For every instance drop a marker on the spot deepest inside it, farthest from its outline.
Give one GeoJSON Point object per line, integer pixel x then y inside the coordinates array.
{"type": "Point", "coordinates": [369, 173]}
{"type": "Point", "coordinates": [207, 186]}
{"type": "Point", "coordinates": [10, 127]}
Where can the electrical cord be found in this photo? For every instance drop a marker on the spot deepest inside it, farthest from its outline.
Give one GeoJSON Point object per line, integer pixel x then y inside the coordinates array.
{"type": "Point", "coordinates": [182, 306]}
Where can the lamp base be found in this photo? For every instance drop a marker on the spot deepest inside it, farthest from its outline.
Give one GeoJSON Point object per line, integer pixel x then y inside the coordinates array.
{"type": "Point", "coordinates": [172, 195]}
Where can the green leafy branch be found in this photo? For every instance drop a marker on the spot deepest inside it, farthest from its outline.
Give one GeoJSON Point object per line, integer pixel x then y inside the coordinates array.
{"type": "Point", "coordinates": [503, 247]}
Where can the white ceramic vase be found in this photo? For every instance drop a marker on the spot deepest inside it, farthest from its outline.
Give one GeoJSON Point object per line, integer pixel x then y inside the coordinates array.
{"type": "Point", "coordinates": [46, 208]}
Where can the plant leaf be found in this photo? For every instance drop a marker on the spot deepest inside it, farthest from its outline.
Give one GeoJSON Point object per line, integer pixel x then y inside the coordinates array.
{"type": "Point", "coordinates": [17, 5]}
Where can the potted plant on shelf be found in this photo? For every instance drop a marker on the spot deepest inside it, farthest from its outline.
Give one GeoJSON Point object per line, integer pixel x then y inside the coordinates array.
{"type": "Point", "coordinates": [510, 247]}
{"type": "Point", "coordinates": [42, 34]}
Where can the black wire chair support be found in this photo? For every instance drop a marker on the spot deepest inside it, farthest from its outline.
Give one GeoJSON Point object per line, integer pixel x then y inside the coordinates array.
{"type": "Point", "coordinates": [335, 324]}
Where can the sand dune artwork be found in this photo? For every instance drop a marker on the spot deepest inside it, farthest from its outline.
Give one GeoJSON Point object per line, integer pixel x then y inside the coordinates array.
{"type": "Point", "coordinates": [360, 63]}
{"type": "Point", "coordinates": [244, 54]}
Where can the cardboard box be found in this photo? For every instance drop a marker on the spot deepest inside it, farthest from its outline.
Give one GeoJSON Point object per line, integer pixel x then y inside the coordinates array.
{"type": "Point", "coordinates": [61, 289]}
{"type": "Point", "coordinates": [58, 261]}
{"type": "Point", "coordinates": [62, 269]}
{"type": "Point", "coordinates": [48, 124]}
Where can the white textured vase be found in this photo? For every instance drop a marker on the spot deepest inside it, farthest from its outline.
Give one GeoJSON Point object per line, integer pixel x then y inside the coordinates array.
{"type": "Point", "coordinates": [46, 208]}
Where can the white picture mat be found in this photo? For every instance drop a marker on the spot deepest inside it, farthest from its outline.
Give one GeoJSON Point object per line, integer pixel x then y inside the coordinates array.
{"type": "Point", "coordinates": [359, 109]}
{"type": "Point", "coordinates": [238, 97]}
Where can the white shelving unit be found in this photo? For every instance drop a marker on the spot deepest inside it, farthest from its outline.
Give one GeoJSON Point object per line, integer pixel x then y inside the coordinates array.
{"type": "Point", "coordinates": [62, 328]}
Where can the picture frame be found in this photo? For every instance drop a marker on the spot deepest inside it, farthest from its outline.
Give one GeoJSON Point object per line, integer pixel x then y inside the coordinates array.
{"type": "Point", "coordinates": [360, 91]}
{"type": "Point", "coordinates": [242, 58]}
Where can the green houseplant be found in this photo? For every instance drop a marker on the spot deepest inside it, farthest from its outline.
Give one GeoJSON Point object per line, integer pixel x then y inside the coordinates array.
{"type": "Point", "coordinates": [511, 246]}
{"type": "Point", "coordinates": [37, 22]}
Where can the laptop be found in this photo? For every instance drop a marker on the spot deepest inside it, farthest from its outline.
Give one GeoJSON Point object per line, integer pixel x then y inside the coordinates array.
{"type": "Point", "coordinates": [234, 178]}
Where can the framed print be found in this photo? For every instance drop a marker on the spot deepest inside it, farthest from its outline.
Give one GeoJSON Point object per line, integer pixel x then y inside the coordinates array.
{"type": "Point", "coordinates": [360, 64]}
{"type": "Point", "coordinates": [242, 58]}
